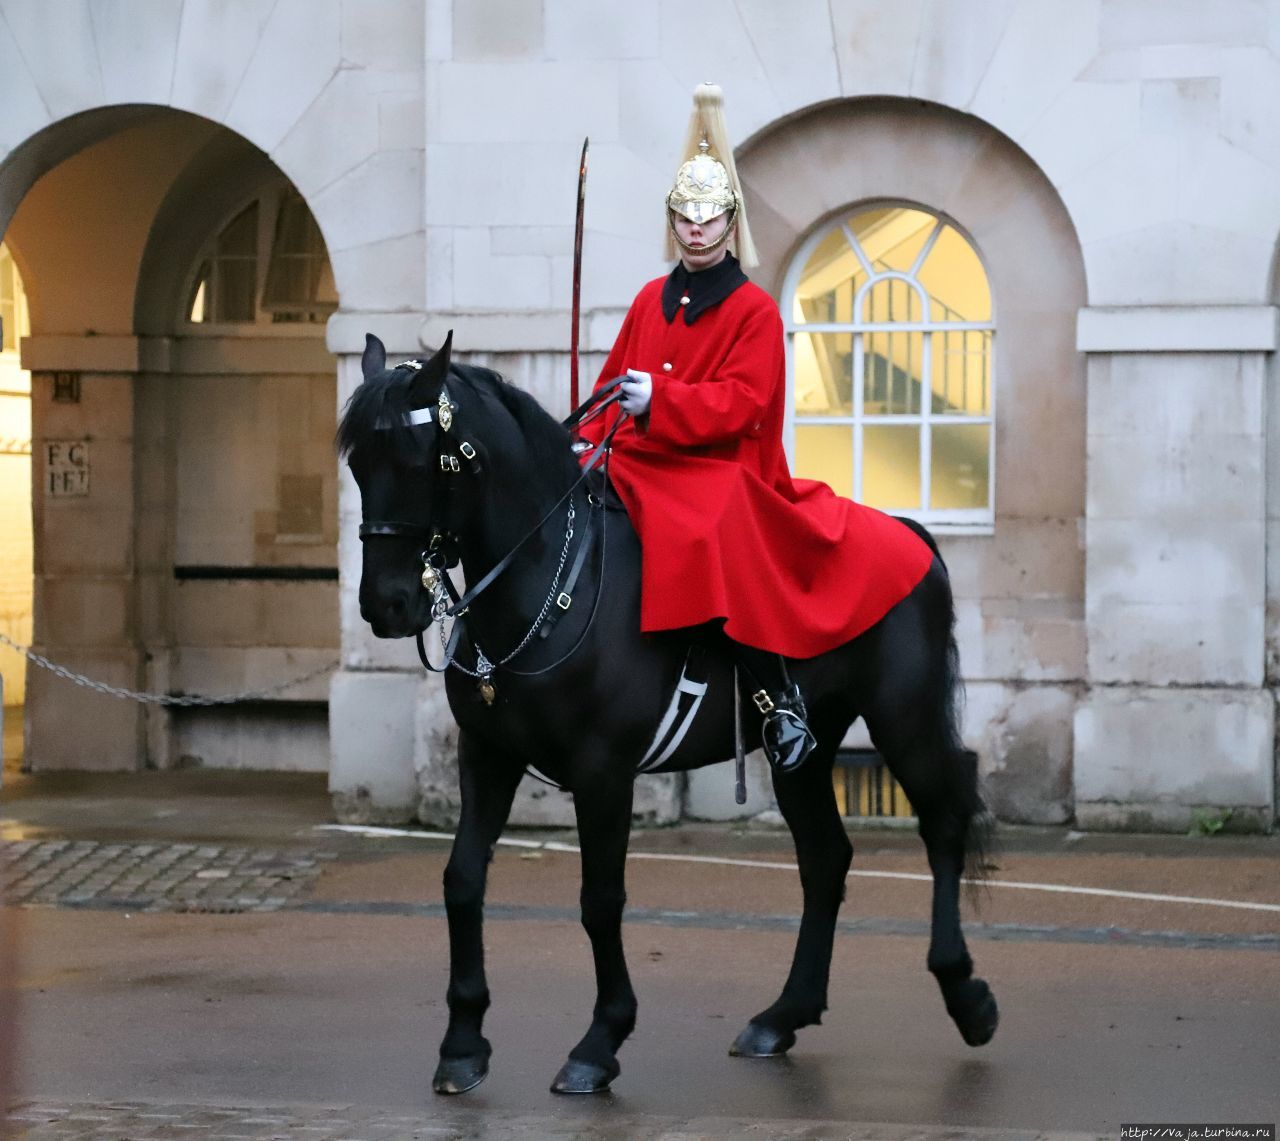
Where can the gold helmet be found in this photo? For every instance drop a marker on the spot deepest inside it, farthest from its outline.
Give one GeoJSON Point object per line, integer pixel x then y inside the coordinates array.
{"type": "Point", "coordinates": [706, 185]}
{"type": "Point", "coordinates": [702, 190]}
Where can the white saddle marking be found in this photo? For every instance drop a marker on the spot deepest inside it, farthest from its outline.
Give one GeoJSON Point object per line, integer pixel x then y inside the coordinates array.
{"type": "Point", "coordinates": [696, 689]}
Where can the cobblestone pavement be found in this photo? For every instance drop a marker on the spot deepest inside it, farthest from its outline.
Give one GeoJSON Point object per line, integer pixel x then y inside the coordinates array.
{"type": "Point", "coordinates": [155, 877]}
{"type": "Point", "coordinates": [125, 1121]}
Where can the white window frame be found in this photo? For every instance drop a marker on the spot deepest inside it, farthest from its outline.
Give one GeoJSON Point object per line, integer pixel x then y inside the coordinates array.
{"type": "Point", "coordinates": [970, 521]}
{"type": "Point", "coordinates": [268, 201]}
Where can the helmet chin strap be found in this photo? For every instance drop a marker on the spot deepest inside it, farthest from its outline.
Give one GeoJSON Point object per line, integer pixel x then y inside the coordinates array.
{"type": "Point", "coordinates": [720, 241]}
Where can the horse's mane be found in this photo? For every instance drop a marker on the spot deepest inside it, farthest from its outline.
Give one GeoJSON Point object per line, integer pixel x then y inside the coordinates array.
{"type": "Point", "coordinates": [547, 439]}
{"type": "Point", "coordinates": [383, 400]}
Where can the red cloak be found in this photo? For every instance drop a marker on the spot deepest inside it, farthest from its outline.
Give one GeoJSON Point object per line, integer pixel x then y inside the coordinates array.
{"type": "Point", "coordinates": [726, 532]}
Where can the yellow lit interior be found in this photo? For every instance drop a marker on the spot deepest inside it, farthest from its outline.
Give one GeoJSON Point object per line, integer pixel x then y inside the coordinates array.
{"type": "Point", "coordinates": [891, 466]}
{"type": "Point", "coordinates": [869, 790]}
{"type": "Point", "coordinates": [15, 483]}
{"type": "Point", "coordinates": [826, 453]}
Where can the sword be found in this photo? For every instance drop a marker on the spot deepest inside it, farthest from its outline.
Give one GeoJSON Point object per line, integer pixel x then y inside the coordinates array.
{"type": "Point", "coordinates": [577, 278]}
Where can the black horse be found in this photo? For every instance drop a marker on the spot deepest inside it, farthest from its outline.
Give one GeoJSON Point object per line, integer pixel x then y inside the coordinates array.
{"type": "Point", "coordinates": [452, 463]}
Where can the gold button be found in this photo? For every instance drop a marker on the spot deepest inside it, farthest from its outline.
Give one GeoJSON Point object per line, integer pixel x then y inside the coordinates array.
{"type": "Point", "coordinates": [666, 366]}
{"type": "Point", "coordinates": [684, 300]}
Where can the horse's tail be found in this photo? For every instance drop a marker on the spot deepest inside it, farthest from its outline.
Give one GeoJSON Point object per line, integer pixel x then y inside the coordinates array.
{"type": "Point", "coordinates": [959, 765]}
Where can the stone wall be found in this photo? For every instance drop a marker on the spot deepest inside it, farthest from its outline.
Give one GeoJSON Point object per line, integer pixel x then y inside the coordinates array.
{"type": "Point", "coordinates": [1178, 721]}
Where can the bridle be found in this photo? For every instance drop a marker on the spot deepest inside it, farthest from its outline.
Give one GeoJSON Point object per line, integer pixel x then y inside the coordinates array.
{"type": "Point", "coordinates": [441, 545]}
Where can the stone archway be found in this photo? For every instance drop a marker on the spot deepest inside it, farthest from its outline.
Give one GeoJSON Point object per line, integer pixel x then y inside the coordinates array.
{"type": "Point", "coordinates": [334, 100]}
{"type": "Point", "coordinates": [109, 353]}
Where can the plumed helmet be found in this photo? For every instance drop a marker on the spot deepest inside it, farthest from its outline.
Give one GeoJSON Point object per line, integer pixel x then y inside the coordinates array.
{"type": "Point", "coordinates": [702, 190]}
{"type": "Point", "coordinates": [706, 184]}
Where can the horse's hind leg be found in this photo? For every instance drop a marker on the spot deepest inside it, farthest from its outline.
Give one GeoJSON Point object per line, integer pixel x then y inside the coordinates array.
{"type": "Point", "coordinates": [603, 807]}
{"type": "Point", "coordinates": [969, 1000]}
{"type": "Point", "coordinates": [488, 786]}
{"type": "Point", "coordinates": [807, 801]}
{"type": "Point", "coordinates": [940, 780]}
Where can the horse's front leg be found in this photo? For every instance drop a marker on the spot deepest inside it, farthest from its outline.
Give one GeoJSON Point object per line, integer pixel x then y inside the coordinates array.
{"type": "Point", "coordinates": [488, 785]}
{"type": "Point", "coordinates": [603, 808]}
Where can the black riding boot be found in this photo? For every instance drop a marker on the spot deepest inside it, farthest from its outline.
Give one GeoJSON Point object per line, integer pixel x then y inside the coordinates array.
{"type": "Point", "coordinates": [788, 741]}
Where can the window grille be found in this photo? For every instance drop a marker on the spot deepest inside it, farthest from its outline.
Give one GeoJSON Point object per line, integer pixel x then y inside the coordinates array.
{"type": "Point", "coordinates": [865, 787]}
{"type": "Point", "coordinates": [891, 351]}
{"type": "Point", "coordinates": [299, 280]}
{"type": "Point", "coordinates": [13, 303]}
{"type": "Point", "coordinates": [268, 265]}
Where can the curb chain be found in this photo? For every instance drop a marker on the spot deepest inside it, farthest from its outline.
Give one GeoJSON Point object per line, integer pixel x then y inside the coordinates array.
{"type": "Point", "coordinates": [161, 698]}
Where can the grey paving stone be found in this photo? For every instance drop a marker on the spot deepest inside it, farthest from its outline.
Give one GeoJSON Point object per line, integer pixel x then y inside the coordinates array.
{"type": "Point", "coordinates": [151, 877]}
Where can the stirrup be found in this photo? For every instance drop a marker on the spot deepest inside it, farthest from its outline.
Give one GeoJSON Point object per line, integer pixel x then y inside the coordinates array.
{"type": "Point", "coordinates": [786, 736]}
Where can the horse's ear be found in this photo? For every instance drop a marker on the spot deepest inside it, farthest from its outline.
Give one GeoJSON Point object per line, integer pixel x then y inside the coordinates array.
{"type": "Point", "coordinates": [375, 356]}
{"type": "Point", "coordinates": [429, 379]}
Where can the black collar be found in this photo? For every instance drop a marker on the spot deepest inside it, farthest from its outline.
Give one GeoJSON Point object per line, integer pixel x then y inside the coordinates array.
{"type": "Point", "coordinates": [705, 288]}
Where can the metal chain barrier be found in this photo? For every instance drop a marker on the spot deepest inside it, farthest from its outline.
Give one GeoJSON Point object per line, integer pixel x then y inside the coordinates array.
{"type": "Point", "coordinates": [160, 698]}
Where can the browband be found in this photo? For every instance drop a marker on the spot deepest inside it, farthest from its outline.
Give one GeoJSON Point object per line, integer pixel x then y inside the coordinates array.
{"type": "Point", "coordinates": [412, 418]}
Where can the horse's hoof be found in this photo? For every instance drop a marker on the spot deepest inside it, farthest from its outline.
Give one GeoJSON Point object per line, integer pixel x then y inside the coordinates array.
{"type": "Point", "coordinates": [758, 1041]}
{"type": "Point", "coordinates": [457, 1075]}
{"type": "Point", "coordinates": [584, 1077]}
{"type": "Point", "coordinates": [973, 1008]}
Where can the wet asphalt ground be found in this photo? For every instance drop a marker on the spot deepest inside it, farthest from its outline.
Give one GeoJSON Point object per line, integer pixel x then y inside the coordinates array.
{"type": "Point", "coordinates": [199, 959]}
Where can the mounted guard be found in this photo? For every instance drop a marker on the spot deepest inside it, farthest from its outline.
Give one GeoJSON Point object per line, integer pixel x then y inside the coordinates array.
{"type": "Point", "coordinates": [455, 464]}
{"type": "Point", "coordinates": [734, 548]}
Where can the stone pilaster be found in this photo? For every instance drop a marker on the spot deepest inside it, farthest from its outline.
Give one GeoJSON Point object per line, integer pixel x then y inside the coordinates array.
{"type": "Point", "coordinates": [373, 695]}
{"type": "Point", "coordinates": [1177, 720]}
{"type": "Point", "coordinates": [83, 507]}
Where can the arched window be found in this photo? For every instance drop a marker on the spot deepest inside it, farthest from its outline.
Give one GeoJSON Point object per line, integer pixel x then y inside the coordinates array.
{"type": "Point", "coordinates": [890, 335]}
{"type": "Point", "coordinates": [13, 304]}
{"type": "Point", "coordinates": [267, 266]}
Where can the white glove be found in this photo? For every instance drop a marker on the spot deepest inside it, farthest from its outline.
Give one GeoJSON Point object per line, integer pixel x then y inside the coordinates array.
{"type": "Point", "coordinates": [637, 391]}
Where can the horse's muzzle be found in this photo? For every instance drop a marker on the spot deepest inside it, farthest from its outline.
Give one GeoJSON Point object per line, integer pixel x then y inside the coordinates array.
{"type": "Point", "coordinates": [397, 615]}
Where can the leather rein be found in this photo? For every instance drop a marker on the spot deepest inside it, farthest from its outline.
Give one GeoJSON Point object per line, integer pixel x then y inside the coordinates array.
{"type": "Point", "coordinates": [441, 552]}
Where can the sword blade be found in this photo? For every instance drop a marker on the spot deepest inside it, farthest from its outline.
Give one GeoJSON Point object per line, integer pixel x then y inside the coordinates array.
{"type": "Point", "coordinates": [577, 278]}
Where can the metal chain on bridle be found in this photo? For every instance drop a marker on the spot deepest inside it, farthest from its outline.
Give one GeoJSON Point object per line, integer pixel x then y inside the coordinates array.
{"type": "Point", "coordinates": [144, 698]}
{"type": "Point", "coordinates": [484, 668]}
